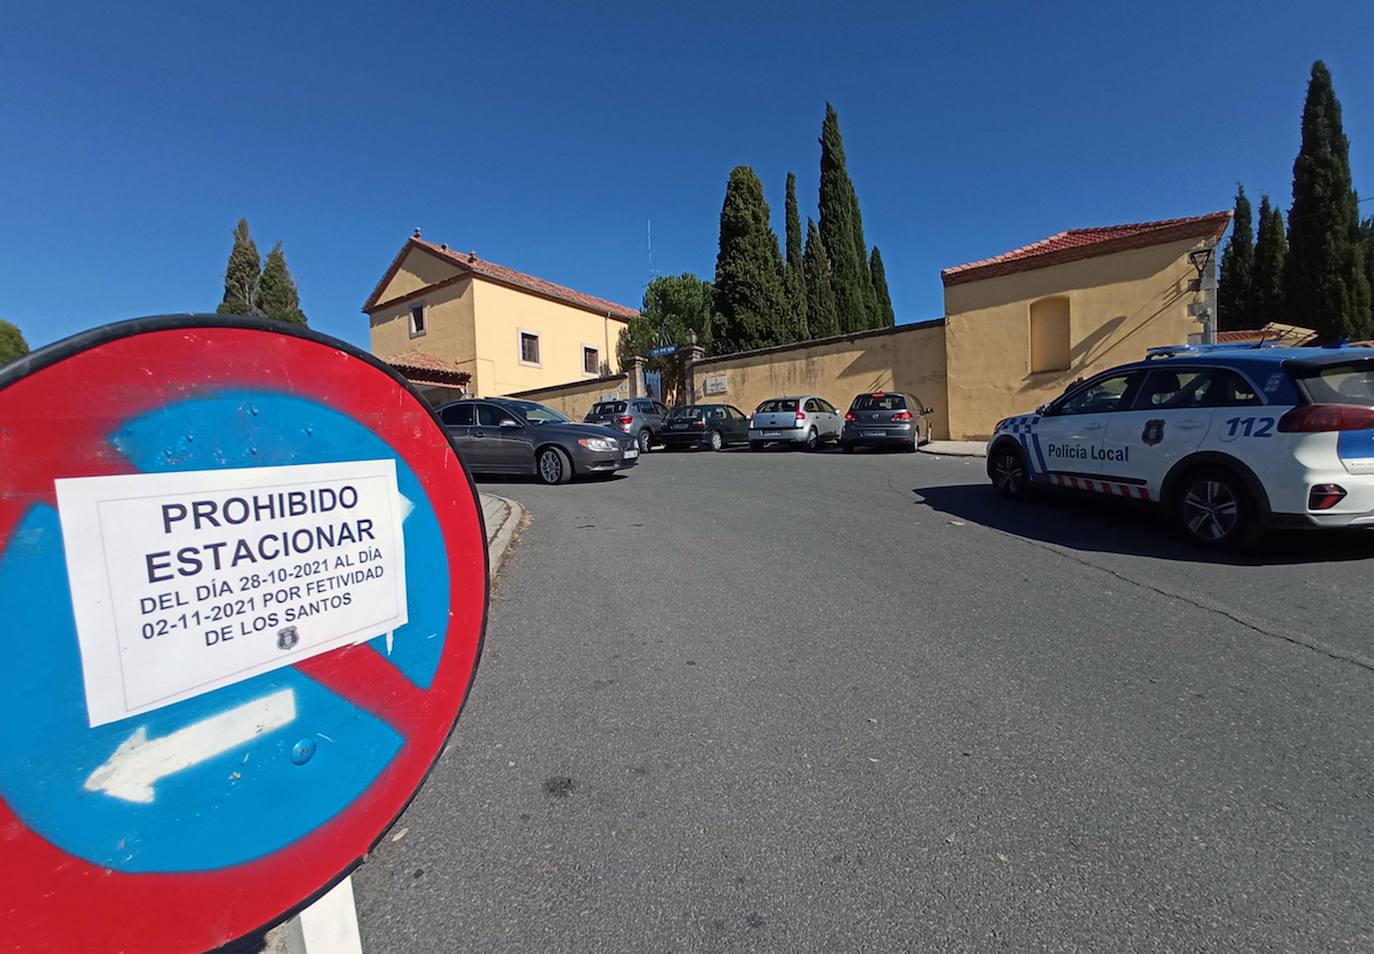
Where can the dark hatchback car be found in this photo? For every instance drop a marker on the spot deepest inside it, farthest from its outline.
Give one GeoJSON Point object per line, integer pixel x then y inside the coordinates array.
{"type": "Point", "coordinates": [886, 419]}
{"type": "Point", "coordinates": [506, 436]}
{"type": "Point", "coordinates": [705, 425]}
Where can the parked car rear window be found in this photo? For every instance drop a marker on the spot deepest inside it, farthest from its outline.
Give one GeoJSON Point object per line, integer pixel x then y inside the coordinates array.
{"type": "Point", "coordinates": [684, 414]}
{"type": "Point", "coordinates": [782, 404]}
{"type": "Point", "coordinates": [1351, 383]}
{"type": "Point", "coordinates": [609, 407]}
{"type": "Point", "coordinates": [873, 402]}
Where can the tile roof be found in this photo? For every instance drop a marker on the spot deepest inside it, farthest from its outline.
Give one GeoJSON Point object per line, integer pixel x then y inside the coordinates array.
{"type": "Point", "coordinates": [1078, 244]}
{"type": "Point", "coordinates": [1292, 335]}
{"type": "Point", "coordinates": [421, 368]}
{"type": "Point", "coordinates": [470, 264]}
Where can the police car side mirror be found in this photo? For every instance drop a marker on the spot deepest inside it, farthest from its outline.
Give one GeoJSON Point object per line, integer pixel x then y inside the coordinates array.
{"type": "Point", "coordinates": [1043, 409]}
{"type": "Point", "coordinates": [929, 410]}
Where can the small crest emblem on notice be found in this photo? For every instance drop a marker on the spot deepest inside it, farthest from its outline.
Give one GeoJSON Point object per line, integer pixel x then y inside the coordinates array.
{"type": "Point", "coordinates": [1153, 433]}
{"type": "Point", "coordinates": [287, 637]}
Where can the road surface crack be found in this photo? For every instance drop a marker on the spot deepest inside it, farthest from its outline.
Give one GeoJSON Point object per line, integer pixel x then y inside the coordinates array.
{"type": "Point", "coordinates": [1313, 645]}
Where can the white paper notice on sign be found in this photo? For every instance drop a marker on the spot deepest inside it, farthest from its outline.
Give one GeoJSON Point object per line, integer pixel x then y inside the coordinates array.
{"type": "Point", "coordinates": [186, 582]}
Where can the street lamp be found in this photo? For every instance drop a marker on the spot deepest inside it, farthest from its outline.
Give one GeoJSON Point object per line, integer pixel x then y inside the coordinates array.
{"type": "Point", "coordinates": [1199, 257]}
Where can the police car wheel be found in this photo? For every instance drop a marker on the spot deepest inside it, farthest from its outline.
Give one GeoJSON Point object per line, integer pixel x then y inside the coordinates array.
{"type": "Point", "coordinates": [1214, 510]}
{"type": "Point", "coordinates": [1007, 468]}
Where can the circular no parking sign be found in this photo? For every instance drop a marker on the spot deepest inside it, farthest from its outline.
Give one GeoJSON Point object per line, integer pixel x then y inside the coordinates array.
{"type": "Point", "coordinates": [244, 585]}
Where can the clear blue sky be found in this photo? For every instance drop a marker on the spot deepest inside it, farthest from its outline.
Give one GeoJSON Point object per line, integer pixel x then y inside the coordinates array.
{"type": "Point", "coordinates": [547, 136]}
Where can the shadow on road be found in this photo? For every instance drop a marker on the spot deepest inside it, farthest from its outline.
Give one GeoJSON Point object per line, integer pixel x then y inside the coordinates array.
{"type": "Point", "coordinates": [1094, 524]}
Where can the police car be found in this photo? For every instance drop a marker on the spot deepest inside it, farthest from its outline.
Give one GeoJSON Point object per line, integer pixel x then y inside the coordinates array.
{"type": "Point", "coordinates": [1230, 439]}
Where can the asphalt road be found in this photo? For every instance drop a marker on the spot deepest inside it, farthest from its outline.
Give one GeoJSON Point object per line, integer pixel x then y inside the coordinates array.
{"type": "Point", "coordinates": [820, 702]}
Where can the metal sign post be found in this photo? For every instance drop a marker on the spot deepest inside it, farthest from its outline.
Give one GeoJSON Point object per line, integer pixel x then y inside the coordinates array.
{"type": "Point", "coordinates": [244, 577]}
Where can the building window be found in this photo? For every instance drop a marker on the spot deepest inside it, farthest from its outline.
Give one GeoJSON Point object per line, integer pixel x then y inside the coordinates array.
{"type": "Point", "coordinates": [417, 319]}
{"type": "Point", "coordinates": [591, 360]}
{"type": "Point", "coordinates": [529, 349]}
{"type": "Point", "coordinates": [1049, 335]}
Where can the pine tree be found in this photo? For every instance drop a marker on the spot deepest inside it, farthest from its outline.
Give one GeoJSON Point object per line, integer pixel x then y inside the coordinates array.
{"type": "Point", "coordinates": [1324, 284]}
{"type": "Point", "coordinates": [886, 317]}
{"type": "Point", "coordinates": [12, 343]}
{"type": "Point", "coordinates": [277, 293]}
{"type": "Point", "coordinates": [1266, 278]}
{"type": "Point", "coordinates": [820, 296]}
{"type": "Point", "coordinates": [242, 276]}
{"type": "Point", "coordinates": [673, 306]}
{"type": "Point", "coordinates": [1234, 292]}
{"type": "Point", "coordinates": [750, 300]}
{"type": "Point", "coordinates": [795, 269]}
{"type": "Point", "coordinates": [842, 232]}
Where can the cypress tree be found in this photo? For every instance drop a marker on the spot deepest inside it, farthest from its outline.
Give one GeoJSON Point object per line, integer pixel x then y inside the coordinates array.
{"type": "Point", "coordinates": [820, 296]}
{"type": "Point", "coordinates": [886, 317]}
{"type": "Point", "coordinates": [242, 276]}
{"type": "Point", "coordinates": [750, 300]}
{"type": "Point", "coordinates": [1266, 279]}
{"type": "Point", "coordinates": [795, 269]}
{"type": "Point", "coordinates": [277, 292]}
{"type": "Point", "coordinates": [12, 343]}
{"type": "Point", "coordinates": [1234, 293]}
{"type": "Point", "coordinates": [842, 232]}
{"type": "Point", "coordinates": [1324, 283]}
{"type": "Point", "coordinates": [1367, 240]}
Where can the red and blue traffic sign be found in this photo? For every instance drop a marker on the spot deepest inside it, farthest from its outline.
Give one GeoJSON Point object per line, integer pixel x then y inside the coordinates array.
{"type": "Point", "coordinates": [195, 822]}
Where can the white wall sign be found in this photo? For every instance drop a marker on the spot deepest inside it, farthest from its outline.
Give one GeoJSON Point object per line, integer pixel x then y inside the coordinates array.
{"type": "Point", "coordinates": [186, 582]}
{"type": "Point", "coordinates": [716, 384]}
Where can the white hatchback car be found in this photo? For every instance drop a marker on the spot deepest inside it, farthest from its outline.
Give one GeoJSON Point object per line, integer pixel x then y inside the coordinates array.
{"type": "Point", "coordinates": [801, 421]}
{"type": "Point", "coordinates": [1231, 439]}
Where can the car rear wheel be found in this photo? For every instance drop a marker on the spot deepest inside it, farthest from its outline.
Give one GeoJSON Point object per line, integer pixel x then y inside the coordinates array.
{"type": "Point", "coordinates": [756, 445]}
{"type": "Point", "coordinates": [717, 442]}
{"type": "Point", "coordinates": [1007, 468]}
{"type": "Point", "coordinates": [643, 441]}
{"type": "Point", "coordinates": [813, 441]}
{"type": "Point", "coordinates": [554, 466]}
{"type": "Point", "coordinates": [847, 447]}
{"type": "Point", "coordinates": [1215, 510]}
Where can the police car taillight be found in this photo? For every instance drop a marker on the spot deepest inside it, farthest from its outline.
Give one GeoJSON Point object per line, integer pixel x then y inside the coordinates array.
{"type": "Point", "coordinates": [1325, 496]}
{"type": "Point", "coordinates": [1311, 418]}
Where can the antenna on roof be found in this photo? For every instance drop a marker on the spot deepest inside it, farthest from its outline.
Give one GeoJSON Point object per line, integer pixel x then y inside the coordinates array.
{"type": "Point", "coordinates": [653, 273]}
{"type": "Point", "coordinates": [417, 232]}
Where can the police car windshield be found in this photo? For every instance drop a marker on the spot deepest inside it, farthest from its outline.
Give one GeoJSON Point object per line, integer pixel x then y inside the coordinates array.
{"type": "Point", "coordinates": [1345, 383]}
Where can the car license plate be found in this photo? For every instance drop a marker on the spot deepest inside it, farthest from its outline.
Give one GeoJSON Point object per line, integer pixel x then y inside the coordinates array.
{"type": "Point", "coordinates": [872, 433]}
{"type": "Point", "coordinates": [772, 433]}
{"type": "Point", "coordinates": [632, 453]}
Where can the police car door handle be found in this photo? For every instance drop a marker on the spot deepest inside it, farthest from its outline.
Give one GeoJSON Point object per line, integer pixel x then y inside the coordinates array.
{"type": "Point", "coordinates": [1092, 427]}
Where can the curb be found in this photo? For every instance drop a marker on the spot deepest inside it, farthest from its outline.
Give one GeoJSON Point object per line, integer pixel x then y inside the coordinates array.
{"type": "Point", "coordinates": [942, 452]}
{"type": "Point", "coordinates": [502, 517]}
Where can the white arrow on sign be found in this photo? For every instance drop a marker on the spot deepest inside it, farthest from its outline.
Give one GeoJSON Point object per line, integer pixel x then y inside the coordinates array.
{"type": "Point", "coordinates": [130, 772]}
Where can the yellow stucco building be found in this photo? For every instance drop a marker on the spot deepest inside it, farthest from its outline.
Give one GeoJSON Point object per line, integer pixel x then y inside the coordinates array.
{"type": "Point", "coordinates": [1022, 326]}
{"type": "Point", "coordinates": [448, 311]}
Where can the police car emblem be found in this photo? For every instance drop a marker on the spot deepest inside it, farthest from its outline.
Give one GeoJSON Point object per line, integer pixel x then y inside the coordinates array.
{"type": "Point", "coordinates": [1153, 433]}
